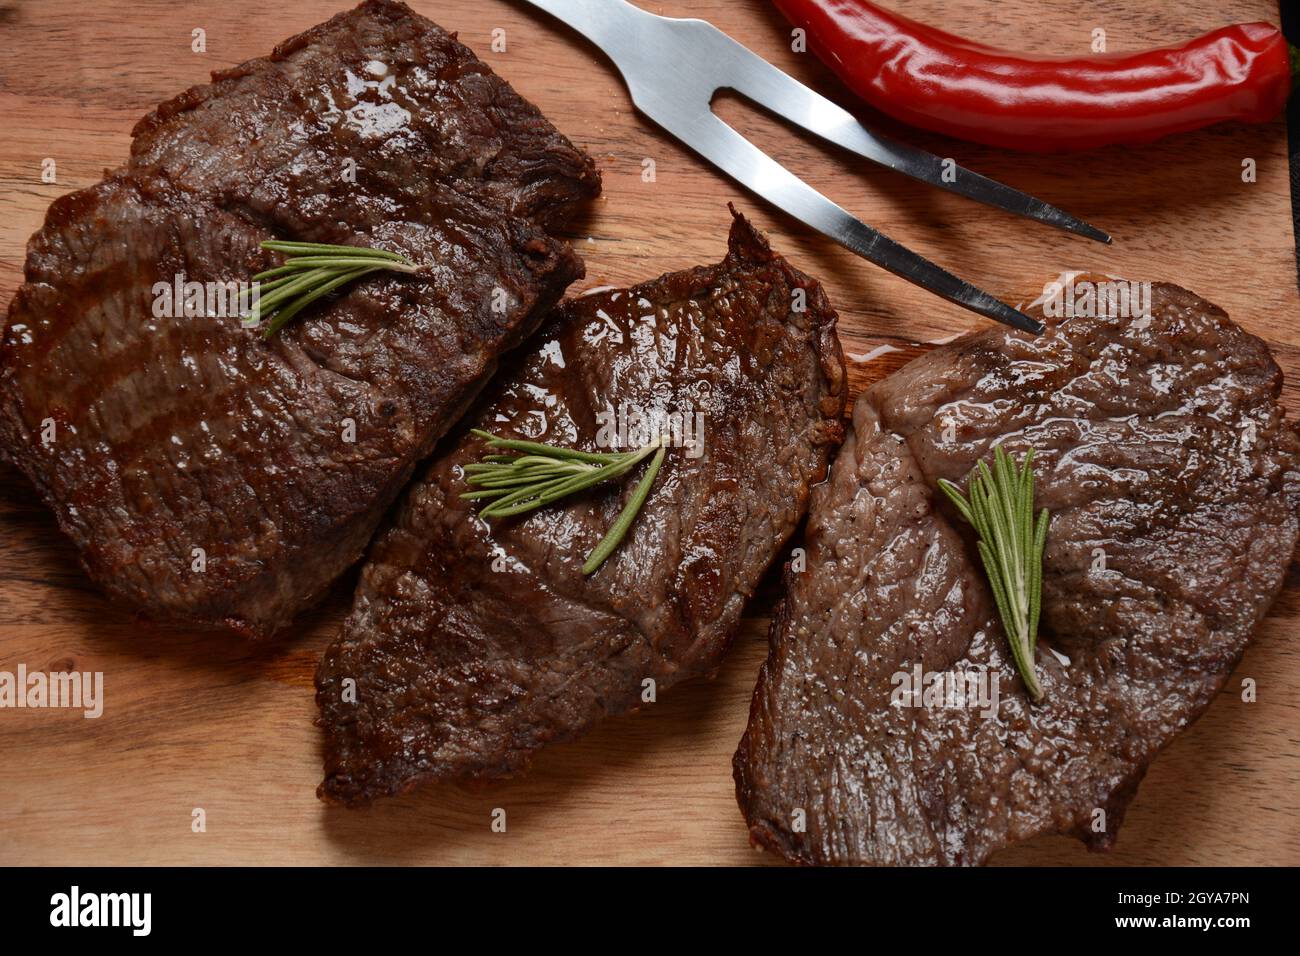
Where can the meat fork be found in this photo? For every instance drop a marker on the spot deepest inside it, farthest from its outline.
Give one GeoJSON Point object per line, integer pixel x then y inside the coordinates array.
{"type": "Point", "coordinates": [674, 67]}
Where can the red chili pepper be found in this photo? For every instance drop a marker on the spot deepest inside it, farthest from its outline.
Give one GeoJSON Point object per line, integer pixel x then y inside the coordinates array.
{"type": "Point", "coordinates": [941, 82]}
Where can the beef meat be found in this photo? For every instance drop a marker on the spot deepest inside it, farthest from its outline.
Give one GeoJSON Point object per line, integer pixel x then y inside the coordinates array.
{"type": "Point", "coordinates": [472, 646]}
{"type": "Point", "coordinates": [208, 476]}
{"type": "Point", "coordinates": [1171, 475]}
{"type": "Point", "coordinates": [359, 121]}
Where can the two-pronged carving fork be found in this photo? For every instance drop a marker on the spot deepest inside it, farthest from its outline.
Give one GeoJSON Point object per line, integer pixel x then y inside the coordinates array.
{"type": "Point", "coordinates": [673, 69]}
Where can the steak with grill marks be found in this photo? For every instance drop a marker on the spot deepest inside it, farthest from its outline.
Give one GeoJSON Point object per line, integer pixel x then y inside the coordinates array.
{"type": "Point", "coordinates": [357, 121]}
{"type": "Point", "coordinates": [208, 476]}
{"type": "Point", "coordinates": [1173, 483]}
{"type": "Point", "coordinates": [474, 645]}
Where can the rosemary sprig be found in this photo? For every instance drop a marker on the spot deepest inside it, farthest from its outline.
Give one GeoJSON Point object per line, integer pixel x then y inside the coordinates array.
{"type": "Point", "coordinates": [1001, 510]}
{"type": "Point", "coordinates": [538, 475]}
{"type": "Point", "coordinates": [312, 270]}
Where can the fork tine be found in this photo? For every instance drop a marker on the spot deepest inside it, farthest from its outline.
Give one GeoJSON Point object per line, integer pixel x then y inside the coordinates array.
{"type": "Point", "coordinates": [641, 44]}
{"type": "Point", "coordinates": [738, 157]}
{"type": "Point", "coordinates": [770, 87]}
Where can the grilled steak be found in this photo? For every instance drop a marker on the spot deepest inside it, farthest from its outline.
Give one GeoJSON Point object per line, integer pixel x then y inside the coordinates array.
{"type": "Point", "coordinates": [473, 646]}
{"type": "Point", "coordinates": [1171, 476]}
{"type": "Point", "coordinates": [208, 476]}
{"type": "Point", "coordinates": [375, 115]}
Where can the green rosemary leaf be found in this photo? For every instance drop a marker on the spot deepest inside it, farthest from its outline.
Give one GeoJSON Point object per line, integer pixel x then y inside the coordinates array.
{"type": "Point", "coordinates": [539, 475]}
{"type": "Point", "coordinates": [957, 498]}
{"type": "Point", "coordinates": [614, 537]}
{"type": "Point", "coordinates": [1036, 566]}
{"type": "Point", "coordinates": [544, 492]}
{"type": "Point", "coordinates": [306, 298]}
{"type": "Point", "coordinates": [999, 505]}
{"type": "Point", "coordinates": [311, 271]}
{"type": "Point", "coordinates": [280, 273]}
{"type": "Point", "coordinates": [554, 451]}
{"type": "Point", "coordinates": [287, 290]}
{"type": "Point", "coordinates": [292, 248]}
{"type": "Point", "coordinates": [534, 496]}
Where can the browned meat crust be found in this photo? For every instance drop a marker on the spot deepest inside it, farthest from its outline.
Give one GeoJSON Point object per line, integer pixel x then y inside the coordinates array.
{"type": "Point", "coordinates": [1172, 478]}
{"type": "Point", "coordinates": [472, 647]}
{"type": "Point", "coordinates": [188, 443]}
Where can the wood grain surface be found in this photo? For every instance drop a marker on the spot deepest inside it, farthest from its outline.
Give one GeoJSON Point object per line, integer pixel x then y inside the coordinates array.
{"type": "Point", "coordinates": [197, 720]}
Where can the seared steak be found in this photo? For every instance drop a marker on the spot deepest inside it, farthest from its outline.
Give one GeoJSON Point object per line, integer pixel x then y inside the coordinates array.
{"type": "Point", "coordinates": [208, 476]}
{"type": "Point", "coordinates": [1172, 479]}
{"type": "Point", "coordinates": [375, 115]}
{"type": "Point", "coordinates": [472, 646]}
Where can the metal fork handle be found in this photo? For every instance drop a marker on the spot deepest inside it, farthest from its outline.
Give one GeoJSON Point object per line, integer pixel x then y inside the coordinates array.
{"type": "Point", "coordinates": [597, 20]}
{"type": "Point", "coordinates": [645, 47]}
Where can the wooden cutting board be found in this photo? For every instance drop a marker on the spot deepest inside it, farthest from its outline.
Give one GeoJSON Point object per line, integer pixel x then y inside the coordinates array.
{"type": "Point", "coordinates": [204, 721]}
